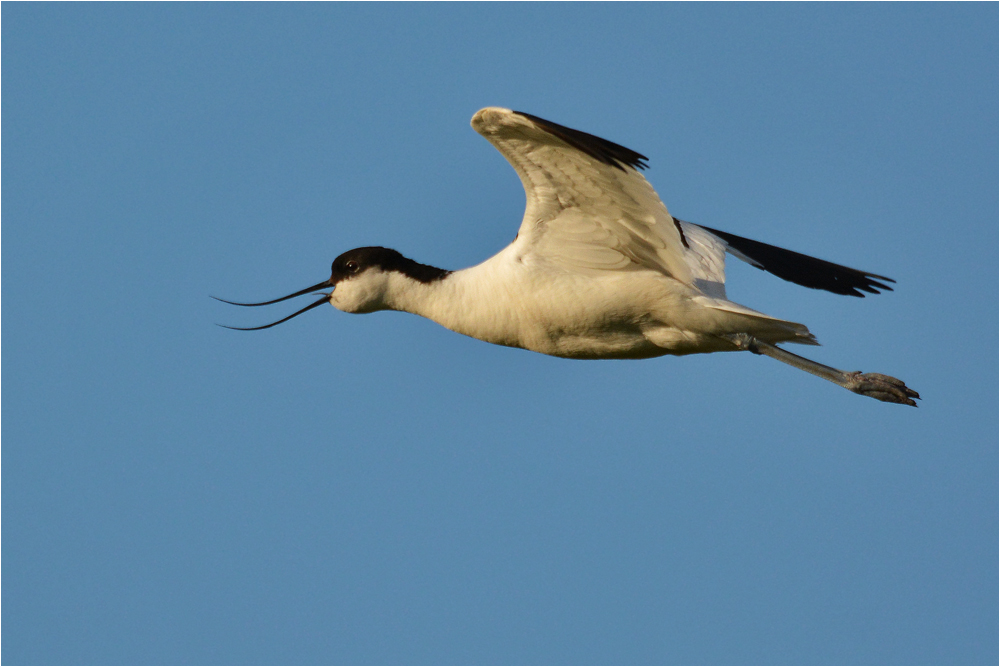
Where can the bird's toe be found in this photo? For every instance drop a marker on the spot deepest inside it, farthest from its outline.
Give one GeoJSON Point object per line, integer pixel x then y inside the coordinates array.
{"type": "Point", "coordinates": [882, 387]}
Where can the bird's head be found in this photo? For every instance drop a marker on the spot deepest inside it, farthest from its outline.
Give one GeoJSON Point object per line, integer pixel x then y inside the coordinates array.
{"type": "Point", "coordinates": [361, 279]}
{"type": "Point", "coordinates": [360, 282]}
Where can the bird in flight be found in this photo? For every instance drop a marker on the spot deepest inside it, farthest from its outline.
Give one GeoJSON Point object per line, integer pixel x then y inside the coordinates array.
{"type": "Point", "coordinates": [598, 270]}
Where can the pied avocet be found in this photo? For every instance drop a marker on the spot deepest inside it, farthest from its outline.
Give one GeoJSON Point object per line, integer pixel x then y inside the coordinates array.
{"type": "Point", "coordinates": [599, 269]}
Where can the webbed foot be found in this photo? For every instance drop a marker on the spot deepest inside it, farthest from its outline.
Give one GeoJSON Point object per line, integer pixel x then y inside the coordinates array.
{"type": "Point", "coordinates": [881, 387]}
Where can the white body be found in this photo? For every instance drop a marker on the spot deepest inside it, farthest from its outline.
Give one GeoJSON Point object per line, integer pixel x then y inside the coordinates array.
{"type": "Point", "coordinates": [599, 268]}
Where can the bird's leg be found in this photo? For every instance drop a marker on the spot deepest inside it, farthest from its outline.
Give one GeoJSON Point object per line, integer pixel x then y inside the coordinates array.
{"type": "Point", "coordinates": [878, 386]}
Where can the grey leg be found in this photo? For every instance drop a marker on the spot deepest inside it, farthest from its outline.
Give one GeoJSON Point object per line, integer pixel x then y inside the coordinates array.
{"type": "Point", "coordinates": [878, 386]}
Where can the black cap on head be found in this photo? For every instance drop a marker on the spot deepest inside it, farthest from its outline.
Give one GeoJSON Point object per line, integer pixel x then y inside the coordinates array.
{"type": "Point", "coordinates": [356, 261]}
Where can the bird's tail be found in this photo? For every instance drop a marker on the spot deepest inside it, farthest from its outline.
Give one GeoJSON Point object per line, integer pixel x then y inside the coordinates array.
{"type": "Point", "coordinates": [769, 329]}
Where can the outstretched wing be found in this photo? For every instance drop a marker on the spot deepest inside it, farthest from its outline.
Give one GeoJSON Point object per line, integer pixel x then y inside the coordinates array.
{"type": "Point", "coordinates": [798, 268]}
{"type": "Point", "coordinates": [588, 207]}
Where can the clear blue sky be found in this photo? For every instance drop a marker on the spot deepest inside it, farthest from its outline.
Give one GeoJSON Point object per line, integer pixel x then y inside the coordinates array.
{"type": "Point", "coordinates": [376, 489]}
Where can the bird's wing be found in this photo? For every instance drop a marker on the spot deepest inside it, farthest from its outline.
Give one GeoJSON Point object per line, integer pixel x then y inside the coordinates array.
{"type": "Point", "coordinates": [588, 207]}
{"type": "Point", "coordinates": [706, 256]}
{"type": "Point", "coordinates": [794, 266]}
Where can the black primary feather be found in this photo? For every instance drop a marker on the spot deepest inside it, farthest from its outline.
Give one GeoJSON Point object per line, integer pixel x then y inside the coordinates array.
{"type": "Point", "coordinates": [803, 269]}
{"type": "Point", "coordinates": [601, 150]}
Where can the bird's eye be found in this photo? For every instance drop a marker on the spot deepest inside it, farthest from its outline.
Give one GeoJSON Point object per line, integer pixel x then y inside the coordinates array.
{"type": "Point", "coordinates": [352, 266]}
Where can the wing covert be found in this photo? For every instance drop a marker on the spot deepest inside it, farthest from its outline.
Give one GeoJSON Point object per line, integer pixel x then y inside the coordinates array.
{"type": "Point", "coordinates": [588, 208]}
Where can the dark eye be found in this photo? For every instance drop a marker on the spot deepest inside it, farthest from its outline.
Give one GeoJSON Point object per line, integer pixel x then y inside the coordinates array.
{"type": "Point", "coordinates": [352, 266]}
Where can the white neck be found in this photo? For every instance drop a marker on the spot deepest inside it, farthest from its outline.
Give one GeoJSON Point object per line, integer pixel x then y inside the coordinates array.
{"type": "Point", "coordinates": [467, 302]}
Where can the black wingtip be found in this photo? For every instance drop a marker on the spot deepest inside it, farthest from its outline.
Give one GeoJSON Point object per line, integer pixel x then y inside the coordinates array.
{"type": "Point", "coordinates": [872, 286]}
{"type": "Point", "coordinates": [805, 270]}
{"type": "Point", "coordinates": [602, 150]}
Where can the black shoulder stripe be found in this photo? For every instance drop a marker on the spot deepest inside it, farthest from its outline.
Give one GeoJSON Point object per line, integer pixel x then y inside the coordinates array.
{"type": "Point", "coordinates": [677, 224]}
{"type": "Point", "coordinates": [601, 150]}
{"type": "Point", "coordinates": [805, 270]}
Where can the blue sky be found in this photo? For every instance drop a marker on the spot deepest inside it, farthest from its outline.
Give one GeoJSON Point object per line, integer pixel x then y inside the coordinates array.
{"type": "Point", "coordinates": [376, 489]}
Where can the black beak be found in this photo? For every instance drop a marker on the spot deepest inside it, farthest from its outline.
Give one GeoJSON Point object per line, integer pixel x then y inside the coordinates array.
{"type": "Point", "coordinates": [325, 283]}
{"type": "Point", "coordinates": [326, 297]}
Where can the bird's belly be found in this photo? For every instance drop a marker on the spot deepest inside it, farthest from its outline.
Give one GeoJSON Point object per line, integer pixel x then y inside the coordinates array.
{"type": "Point", "coordinates": [617, 317]}
{"type": "Point", "coordinates": [603, 345]}
{"type": "Point", "coordinates": [573, 335]}
{"type": "Point", "coordinates": [633, 315]}
{"type": "Point", "coordinates": [607, 334]}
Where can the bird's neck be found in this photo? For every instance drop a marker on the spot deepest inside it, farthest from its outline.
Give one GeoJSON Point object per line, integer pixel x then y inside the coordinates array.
{"type": "Point", "coordinates": [467, 302]}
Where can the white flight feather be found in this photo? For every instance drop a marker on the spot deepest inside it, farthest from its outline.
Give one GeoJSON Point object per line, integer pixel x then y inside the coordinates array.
{"type": "Point", "coordinates": [582, 214]}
